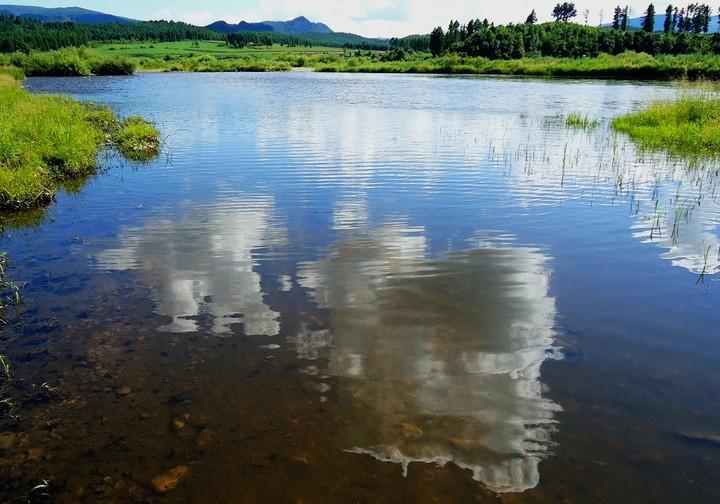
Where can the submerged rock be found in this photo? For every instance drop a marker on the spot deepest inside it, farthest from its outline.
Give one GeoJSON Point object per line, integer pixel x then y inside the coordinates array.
{"type": "Point", "coordinates": [171, 479]}
{"type": "Point", "coordinates": [124, 391]}
{"type": "Point", "coordinates": [35, 454]}
{"type": "Point", "coordinates": [7, 439]}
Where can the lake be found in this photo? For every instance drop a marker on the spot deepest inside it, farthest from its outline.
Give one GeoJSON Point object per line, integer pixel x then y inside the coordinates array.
{"type": "Point", "coordinates": [369, 288]}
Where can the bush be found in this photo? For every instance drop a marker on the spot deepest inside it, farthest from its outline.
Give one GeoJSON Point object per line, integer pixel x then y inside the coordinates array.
{"type": "Point", "coordinates": [115, 66]}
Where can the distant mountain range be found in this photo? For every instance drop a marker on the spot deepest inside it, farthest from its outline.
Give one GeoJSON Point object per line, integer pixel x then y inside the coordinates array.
{"type": "Point", "coordinates": [297, 26]}
{"type": "Point", "coordinates": [637, 23]}
{"type": "Point", "coordinates": [61, 14]}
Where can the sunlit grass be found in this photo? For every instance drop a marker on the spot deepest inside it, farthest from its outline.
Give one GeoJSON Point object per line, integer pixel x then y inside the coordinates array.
{"type": "Point", "coordinates": [137, 139]}
{"type": "Point", "coordinates": [46, 139]}
{"type": "Point", "coordinates": [689, 125]}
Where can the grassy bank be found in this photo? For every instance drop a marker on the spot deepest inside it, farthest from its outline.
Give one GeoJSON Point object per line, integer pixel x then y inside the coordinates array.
{"type": "Point", "coordinates": [623, 66]}
{"type": "Point", "coordinates": [688, 126]}
{"type": "Point", "coordinates": [113, 59]}
{"type": "Point", "coordinates": [45, 140]}
{"type": "Point", "coordinates": [68, 62]}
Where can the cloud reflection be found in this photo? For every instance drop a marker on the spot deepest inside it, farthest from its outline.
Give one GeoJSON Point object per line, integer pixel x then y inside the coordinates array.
{"type": "Point", "coordinates": [441, 357]}
{"type": "Point", "coordinates": [203, 265]}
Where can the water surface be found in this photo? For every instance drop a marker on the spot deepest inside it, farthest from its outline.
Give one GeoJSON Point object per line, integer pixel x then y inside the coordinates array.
{"type": "Point", "coordinates": [370, 289]}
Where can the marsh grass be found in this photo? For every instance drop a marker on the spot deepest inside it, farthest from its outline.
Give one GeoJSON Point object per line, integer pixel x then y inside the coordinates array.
{"type": "Point", "coordinates": [137, 139]}
{"type": "Point", "coordinates": [623, 66]}
{"type": "Point", "coordinates": [45, 140]}
{"type": "Point", "coordinates": [579, 121]}
{"type": "Point", "coordinates": [687, 126]}
{"type": "Point", "coordinates": [68, 62]}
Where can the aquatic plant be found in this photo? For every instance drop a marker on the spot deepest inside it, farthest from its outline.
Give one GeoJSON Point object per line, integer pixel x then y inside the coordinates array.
{"type": "Point", "coordinates": [137, 139]}
{"type": "Point", "coordinates": [5, 366]}
{"type": "Point", "coordinates": [580, 121]}
{"type": "Point", "coordinates": [689, 125]}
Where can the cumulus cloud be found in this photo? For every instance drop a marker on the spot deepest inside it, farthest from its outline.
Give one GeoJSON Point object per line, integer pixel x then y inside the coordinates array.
{"type": "Point", "coordinates": [374, 18]}
{"type": "Point", "coordinates": [402, 17]}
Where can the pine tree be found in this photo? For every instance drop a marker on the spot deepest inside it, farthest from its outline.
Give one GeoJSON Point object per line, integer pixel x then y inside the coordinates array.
{"type": "Point", "coordinates": [649, 20]}
{"type": "Point", "coordinates": [532, 18]}
{"type": "Point", "coordinates": [668, 25]}
{"type": "Point", "coordinates": [624, 20]}
{"type": "Point", "coordinates": [617, 17]}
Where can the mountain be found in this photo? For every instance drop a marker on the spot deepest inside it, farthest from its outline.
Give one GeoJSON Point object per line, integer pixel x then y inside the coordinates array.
{"type": "Point", "coordinates": [298, 26]}
{"type": "Point", "coordinates": [242, 26]}
{"type": "Point", "coordinates": [637, 23]}
{"type": "Point", "coordinates": [76, 14]}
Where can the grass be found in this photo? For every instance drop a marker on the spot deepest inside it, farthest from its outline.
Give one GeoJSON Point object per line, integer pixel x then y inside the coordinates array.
{"type": "Point", "coordinates": [579, 121]}
{"type": "Point", "coordinates": [136, 139]}
{"type": "Point", "coordinates": [46, 140]}
{"type": "Point", "coordinates": [623, 66]}
{"type": "Point", "coordinates": [209, 56]}
{"type": "Point", "coordinates": [688, 126]}
{"type": "Point", "coordinates": [189, 49]}
{"type": "Point", "coordinates": [71, 61]}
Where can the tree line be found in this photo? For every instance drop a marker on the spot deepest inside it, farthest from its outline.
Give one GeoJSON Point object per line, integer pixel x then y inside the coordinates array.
{"type": "Point", "coordinates": [19, 34]}
{"type": "Point", "coordinates": [23, 34]}
{"type": "Point", "coordinates": [685, 32]}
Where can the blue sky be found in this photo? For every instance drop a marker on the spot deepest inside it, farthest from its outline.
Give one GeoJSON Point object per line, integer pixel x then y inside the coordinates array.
{"type": "Point", "coordinates": [366, 17]}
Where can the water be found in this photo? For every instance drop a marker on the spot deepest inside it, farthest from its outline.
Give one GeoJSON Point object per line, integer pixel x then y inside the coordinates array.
{"type": "Point", "coordinates": [370, 289]}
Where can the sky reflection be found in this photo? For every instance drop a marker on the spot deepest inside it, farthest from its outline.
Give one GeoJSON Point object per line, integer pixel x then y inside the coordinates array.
{"type": "Point", "coordinates": [203, 265]}
{"type": "Point", "coordinates": [442, 357]}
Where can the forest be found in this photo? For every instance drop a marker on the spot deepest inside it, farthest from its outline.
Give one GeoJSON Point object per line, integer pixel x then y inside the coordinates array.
{"type": "Point", "coordinates": [685, 32]}
{"type": "Point", "coordinates": [25, 35]}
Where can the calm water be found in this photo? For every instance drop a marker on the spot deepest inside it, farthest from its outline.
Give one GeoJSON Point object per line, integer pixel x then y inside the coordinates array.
{"type": "Point", "coordinates": [370, 289]}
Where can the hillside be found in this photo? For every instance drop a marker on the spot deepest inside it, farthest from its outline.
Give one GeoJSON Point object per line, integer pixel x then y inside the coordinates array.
{"type": "Point", "coordinates": [637, 23]}
{"type": "Point", "coordinates": [62, 14]}
{"type": "Point", "coordinates": [298, 26]}
{"type": "Point", "coordinates": [242, 26]}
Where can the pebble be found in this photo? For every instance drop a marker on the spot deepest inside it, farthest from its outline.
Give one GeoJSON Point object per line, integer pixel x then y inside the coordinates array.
{"type": "Point", "coordinates": [7, 439]}
{"type": "Point", "coordinates": [170, 480]}
{"type": "Point", "coordinates": [124, 391]}
{"type": "Point", "coordinates": [35, 454]}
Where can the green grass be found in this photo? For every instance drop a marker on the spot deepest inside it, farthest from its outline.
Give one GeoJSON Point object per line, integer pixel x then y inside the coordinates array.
{"type": "Point", "coordinates": [688, 126]}
{"type": "Point", "coordinates": [210, 56]}
{"type": "Point", "coordinates": [45, 140]}
{"type": "Point", "coordinates": [579, 121]}
{"type": "Point", "coordinates": [136, 139]}
{"type": "Point", "coordinates": [188, 49]}
{"type": "Point", "coordinates": [71, 61]}
{"type": "Point", "coordinates": [624, 66]}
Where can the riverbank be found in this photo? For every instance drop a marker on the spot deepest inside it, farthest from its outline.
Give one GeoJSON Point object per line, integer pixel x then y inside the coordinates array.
{"type": "Point", "coordinates": [177, 57]}
{"type": "Point", "coordinates": [688, 126]}
{"type": "Point", "coordinates": [51, 139]}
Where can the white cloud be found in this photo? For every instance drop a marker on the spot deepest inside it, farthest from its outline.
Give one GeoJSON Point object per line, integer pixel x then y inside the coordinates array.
{"type": "Point", "coordinates": [417, 16]}
{"type": "Point", "coordinates": [385, 18]}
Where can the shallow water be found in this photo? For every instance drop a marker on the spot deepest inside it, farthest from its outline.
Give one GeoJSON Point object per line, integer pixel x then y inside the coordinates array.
{"type": "Point", "coordinates": [342, 288]}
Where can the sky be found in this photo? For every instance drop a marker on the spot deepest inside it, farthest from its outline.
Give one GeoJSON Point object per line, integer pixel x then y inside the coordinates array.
{"type": "Point", "coordinates": [371, 18]}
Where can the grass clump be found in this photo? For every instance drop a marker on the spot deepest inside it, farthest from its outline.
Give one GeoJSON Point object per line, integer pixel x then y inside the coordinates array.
{"type": "Point", "coordinates": [688, 126]}
{"type": "Point", "coordinates": [579, 121]}
{"type": "Point", "coordinates": [137, 139]}
{"type": "Point", "coordinates": [46, 140]}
